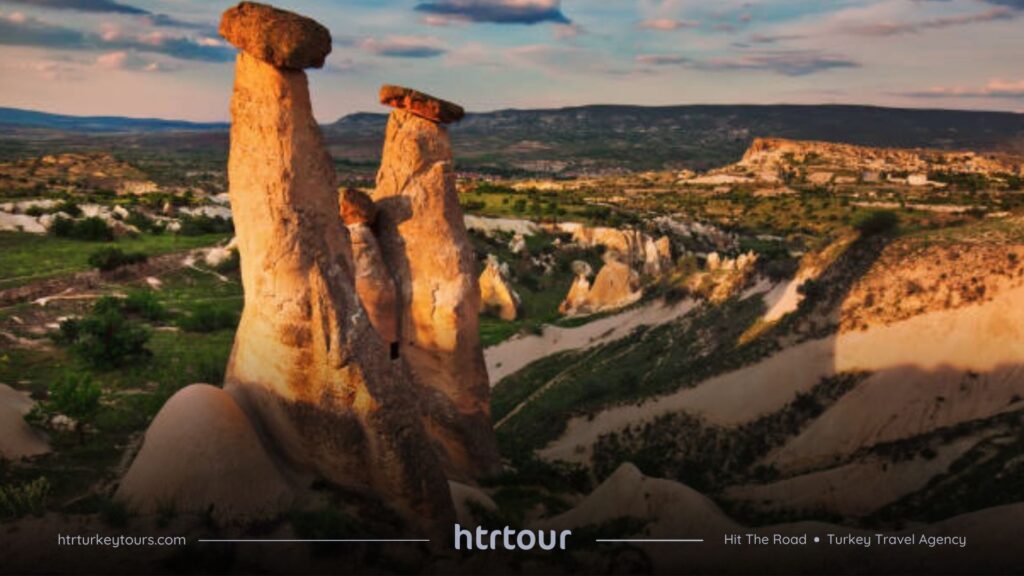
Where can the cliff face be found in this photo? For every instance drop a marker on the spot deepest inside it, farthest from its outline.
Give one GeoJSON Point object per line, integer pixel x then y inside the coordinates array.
{"type": "Point", "coordinates": [426, 246]}
{"type": "Point", "coordinates": [773, 154]}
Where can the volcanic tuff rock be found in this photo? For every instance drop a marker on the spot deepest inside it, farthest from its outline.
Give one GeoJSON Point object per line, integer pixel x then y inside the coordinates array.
{"type": "Point", "coordinates": [277, 37]}
{"type": "Point", "coordinates": [576, 299]}
{"type": "Point", "coordinates": [420, 104]}
{"type": "Point", "coordinates": [307, 368]}
{"type": "Point", "coordinates": [427, 248]}
{"type": "Point", "coordinates": [769, 157]}
{"type": "Point", "coordinates": [615, 286]}
{"type": "Point", "coordinates": [202, 454]}
{"type": "Point", "coordinates": [496, 294]}
{"type": "Point", "coordinates": [374, 282]}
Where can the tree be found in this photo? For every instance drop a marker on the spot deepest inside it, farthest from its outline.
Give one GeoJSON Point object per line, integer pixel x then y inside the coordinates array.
{"type": "Point", "coordinates": [77, 397]}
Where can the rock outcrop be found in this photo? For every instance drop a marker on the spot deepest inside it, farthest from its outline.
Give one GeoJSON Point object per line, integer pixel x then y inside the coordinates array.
{"type": "Point", "coordinates": [616, 285]}
{"type": "Point", "coordinates": [374, 283]}
{"type": "Point", "coordinates": [202, 454]}
{"type": "Point", "coordinates": [307, 367]}
{"type": "Point", "coordinates": [496, 294]}
{"type": "Point", "coordinates": [420, 104]}
{"type": "Point", "coordinates": [657, 256]}
{"type": "Point", "coordinates": [18, 439]}
{"type": "Point", "coordinates": [426, 246]}
{"type": "Point", "coordinates": [279, 38]}
{"type": "Point", "coordinates": [576, 299]}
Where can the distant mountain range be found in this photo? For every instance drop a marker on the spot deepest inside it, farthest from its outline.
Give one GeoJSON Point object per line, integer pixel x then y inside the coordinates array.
{"type": "Point", "coordinates": [595, 138]}
{"type": "Point", "coordinates": [16, 117]}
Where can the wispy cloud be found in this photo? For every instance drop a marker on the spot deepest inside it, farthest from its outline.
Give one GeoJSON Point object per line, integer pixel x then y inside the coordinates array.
{"type": "Point", "coordinates": [666, 24]}
{"type": "Point", "coordinates": [890, 28]}
{"type": "Point", "coordinates": [404, 46]}
{"type": "Point", "coordinates": [127, 60]}
{"type": "Point", "coordinates": [17, 29]}
{"type": "Point", "coordinates": [784, 62]}
{"type": "Point", "coordinates": [996, 88]}
{"type": "Point", "coordinates": [495, 11]}
{"type": "Point", "coordinates": [107, 6]}
{"type": "Point", "coordinates": [110, 7]}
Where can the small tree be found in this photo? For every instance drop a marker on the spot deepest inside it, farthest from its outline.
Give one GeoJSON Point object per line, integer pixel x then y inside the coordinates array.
{"type": "Point", "coordinates": [77, 397]}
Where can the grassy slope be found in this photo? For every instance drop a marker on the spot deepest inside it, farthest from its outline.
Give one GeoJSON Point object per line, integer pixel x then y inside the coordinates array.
{"type": "Point", "coordinates": [26, 258]}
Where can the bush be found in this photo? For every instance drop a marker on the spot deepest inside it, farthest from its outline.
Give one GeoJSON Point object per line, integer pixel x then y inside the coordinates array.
{"type": "Point", "coordinates": [209, 318]}
{"type": "Point", "coordinates": [105, 338]}
{"type": "Point", "coordinates": [89, 229]}
{"type": "Point", "coordinates": [875, 222]}
{"type": "Point", "coordinates": [17, 500]}
{"type": "Point", "coordinates": [76, 396]}
{"type": "Point", "coordinates": [144, 223]}
{"type": "Point", "coordinates": [202, 224]}
{"type": "Point", "coordinates": [145, 303]}
{"type": "Point", "coordinates": [108, 259]}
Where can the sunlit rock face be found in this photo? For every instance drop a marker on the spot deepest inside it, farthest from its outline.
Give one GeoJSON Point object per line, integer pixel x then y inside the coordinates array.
{"type": "Point", "coordinates": [374, 283]}
{"type": "Point", "coordinates": [307, 365]}
{"type": "Point", "coordinates": [426, 247]}
{"type": "Point", "coordinates": [496, 293]}
{"type": "Point", "coordinates": [615, 286]}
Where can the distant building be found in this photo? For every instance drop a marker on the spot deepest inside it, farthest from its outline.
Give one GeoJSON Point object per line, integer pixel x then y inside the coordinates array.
{"type": "Point", "coordinates": [870, 176]}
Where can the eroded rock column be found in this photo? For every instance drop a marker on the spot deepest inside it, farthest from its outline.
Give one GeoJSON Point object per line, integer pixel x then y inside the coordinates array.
{"type": "Point", "coordinates": [374, 283]}
{"type": "Point", "coordinates": [427, 248]}
{"type": "Point", "coordinates": [306, 365]}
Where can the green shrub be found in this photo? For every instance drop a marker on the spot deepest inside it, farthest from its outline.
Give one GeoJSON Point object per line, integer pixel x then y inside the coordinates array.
{"type": "Point", "coordinates": [68, 207]}
{"type": "Point", "coordinates": [105, 338]}
{"type": "Point", "coordinates": [206, 317]}
{"type": "Point", "coordinates": [876, 222]}
{"type": "Point", "coordinates": [89, 229]}
{"type": "Point", "coordinates": [17, 500]}
{"type": "Point", "coordinates": [108, 259]}
{"type": "Point", "coordinates": [145, 303]}
{"type": "Point", "coordinates": [144, 223]}
{"type": "Point", "coordinates": [202, 224]}
{"type": "Point", "coordinates": [76, 396]}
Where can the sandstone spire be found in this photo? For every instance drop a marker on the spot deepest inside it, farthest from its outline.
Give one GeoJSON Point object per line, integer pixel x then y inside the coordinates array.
{"type": "Point", "coordinates": [374, 283]}
{"type": "Point", "coordinates": [496, 293]}
{"type": "Point", "coordinates": [426, 246]}
{"type": "Point", "coordinates": [306, 363]}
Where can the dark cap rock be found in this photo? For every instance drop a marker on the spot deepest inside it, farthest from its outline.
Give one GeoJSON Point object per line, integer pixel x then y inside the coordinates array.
{"type": "Point", "coordinates": [420, 104]}
{"type": "Point", "coordinates": [357, 207]}
{"type": "Point", "coordinates": [277, 37]}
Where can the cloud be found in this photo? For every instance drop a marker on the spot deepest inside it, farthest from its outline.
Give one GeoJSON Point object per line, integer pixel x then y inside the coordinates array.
{"type": "Point", "coordinates": [496, 11]}
{"type": "Point", "coordinates": [18, 30]}
{"type": "Point", "coordinates": [995, 88]}
{"type": "Point", "coordinates": [404, 46]}
{"type": "Point", "coordinates": [897, 28]}
{"type": "Point", "coordinates": [774, 38]}
{"type": "Point", "coordinates": [784, 62]}
{"type": "Point", "coordinates": [125, 60]}
{"type": "Point", "coordinates": [106, 6]}
{"type": "Point", "coordinates": [110, 7]}
{"type": "Point", "coordinates": [666, 24]}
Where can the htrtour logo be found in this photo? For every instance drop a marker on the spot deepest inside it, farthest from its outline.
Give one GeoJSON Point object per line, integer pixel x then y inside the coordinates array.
{"type": "Point", "coordinates": [509, 539]}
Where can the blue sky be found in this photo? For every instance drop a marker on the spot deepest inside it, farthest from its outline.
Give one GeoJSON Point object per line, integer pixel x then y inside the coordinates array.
{"type": "Point", "coordinates": [163, 57]}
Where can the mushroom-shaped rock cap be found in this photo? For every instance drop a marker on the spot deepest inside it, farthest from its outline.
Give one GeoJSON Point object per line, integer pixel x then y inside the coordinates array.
{"type": "Point", "coordinates": [420, 104]}
{"type": "Point", "coordinates": [277, 37]}
{"type": "Point", "coordinates": [357, 207]}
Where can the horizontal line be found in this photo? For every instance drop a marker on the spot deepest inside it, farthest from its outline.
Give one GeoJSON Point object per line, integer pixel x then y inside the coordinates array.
{"type": "Point", "coordinates": [293, 541]}
{"type": "Point", "coordinates": [664, 540]}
